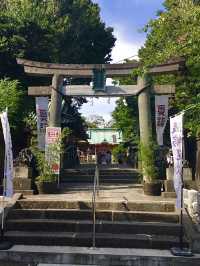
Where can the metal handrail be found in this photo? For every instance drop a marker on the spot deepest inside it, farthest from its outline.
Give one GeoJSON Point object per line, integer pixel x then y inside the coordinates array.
{"type": "Point", "coordinates": [95, 191]}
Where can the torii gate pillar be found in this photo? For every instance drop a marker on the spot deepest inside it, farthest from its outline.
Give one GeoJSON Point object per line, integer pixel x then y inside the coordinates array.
{"type": "Point", "coordinates": [144, 110]}
{"type": "Point", "coordinates": [56, 102]}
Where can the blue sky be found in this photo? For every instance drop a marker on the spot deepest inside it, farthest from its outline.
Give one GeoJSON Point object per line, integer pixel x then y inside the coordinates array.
{"type": "Point", "coordinates": [127, 17]}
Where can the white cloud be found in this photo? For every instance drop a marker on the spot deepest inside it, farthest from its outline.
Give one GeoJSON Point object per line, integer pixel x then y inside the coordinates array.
{"type": "Point", "coordinates": [100, 106]}
{"type": "Point", "coordinates": [123, 48]}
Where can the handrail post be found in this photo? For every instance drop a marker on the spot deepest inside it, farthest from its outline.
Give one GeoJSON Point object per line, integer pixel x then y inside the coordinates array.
{"type": "Point", "coordinates": [95, 189]}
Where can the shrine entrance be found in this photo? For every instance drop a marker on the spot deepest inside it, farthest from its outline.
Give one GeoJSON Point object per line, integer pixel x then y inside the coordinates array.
{"type": "Point", "coordinates": [98, 72]}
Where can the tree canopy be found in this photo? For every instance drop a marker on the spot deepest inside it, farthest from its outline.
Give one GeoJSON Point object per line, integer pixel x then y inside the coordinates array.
{"type": "Point", "coordinates": [174, 33]}
{"type": "Point", "coordinates": [61, 31]}
{"type": "Point", "coordinates": [11, 98]}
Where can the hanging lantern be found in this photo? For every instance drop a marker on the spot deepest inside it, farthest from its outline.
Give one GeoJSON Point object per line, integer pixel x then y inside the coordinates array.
{"type": "Point", "coordinates": [99, 79]}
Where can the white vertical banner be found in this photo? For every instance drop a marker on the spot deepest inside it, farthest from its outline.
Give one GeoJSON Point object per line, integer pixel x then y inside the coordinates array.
{"type": "Point", "coordinates": [161, 110]}
{"type": "Point", "coordinates": [42, 120]}
{"type": "Point", "coordinates": [52, 148]}
{"type": "Point", "coordinates": [176, 135]}
{"type": "Point", "coordinates": [8, 167]}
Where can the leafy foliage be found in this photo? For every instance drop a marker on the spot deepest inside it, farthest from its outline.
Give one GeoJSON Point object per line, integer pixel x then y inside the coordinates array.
{"type": "Point", "coordinates": [95, 121]}
{"type": "Point", "coordinates": [44, 169]}
{"type": "Point", "coordinates": [61, 31]}
{"type": "Point", "coordinates": [147, 154]}
{"type": "Point", "coordinates": [125, 116]}
{"type": "Point", "coordinates": [119, 149]}
{"type": "Point", "coordinates": [55, 150]}
{"type": "Point", "coordinates": [55, 31]}
{"type": "Point", "coordinates": [11, 97]}
{"type": "Point", "coordinates": [174, 33]}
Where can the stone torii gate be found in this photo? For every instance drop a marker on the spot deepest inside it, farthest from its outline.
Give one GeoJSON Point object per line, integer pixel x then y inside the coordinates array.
{"type": "Point", "coordinates": [142, 89]}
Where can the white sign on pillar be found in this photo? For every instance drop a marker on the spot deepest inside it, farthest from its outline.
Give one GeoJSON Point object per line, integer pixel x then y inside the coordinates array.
{"type": "Point", "coordinates": [42, 120]}
{"type": "Point", "coordinates": [8, 167]}
{"type": "Point", "coordinates": [176, 135]}
{"type": "Point", "coordinates": [52, 148]}
{"type": "Point", "coordinates": [161, 110]}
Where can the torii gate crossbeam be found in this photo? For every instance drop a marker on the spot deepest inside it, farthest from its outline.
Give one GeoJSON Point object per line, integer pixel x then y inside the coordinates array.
{"type": "Point", "coordinates": [142, 89]}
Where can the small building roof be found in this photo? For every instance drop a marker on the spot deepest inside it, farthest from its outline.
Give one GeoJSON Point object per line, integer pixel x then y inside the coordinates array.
{"type": "Point", "coordinates": [104, 135]}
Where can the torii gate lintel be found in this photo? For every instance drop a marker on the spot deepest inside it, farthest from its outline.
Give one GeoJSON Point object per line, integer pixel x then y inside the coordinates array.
{"type": "Point", "coordinates": [57, 71]}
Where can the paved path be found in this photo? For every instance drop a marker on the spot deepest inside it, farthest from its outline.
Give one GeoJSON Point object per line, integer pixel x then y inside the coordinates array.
{"type": "Point", "coordinates": [107, 193]}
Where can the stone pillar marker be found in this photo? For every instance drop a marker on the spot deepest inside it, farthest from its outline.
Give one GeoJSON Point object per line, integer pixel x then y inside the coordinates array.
{"type": "Point", "coordinates": [56, 102]}
{"type": "Point", "coordinates": [144, 108]}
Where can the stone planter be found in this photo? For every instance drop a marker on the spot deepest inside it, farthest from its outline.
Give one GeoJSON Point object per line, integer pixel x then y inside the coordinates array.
{"type": "Point", "coordinates": [46, 187]}
{"type": "Point", "coordinates": [152, 189]}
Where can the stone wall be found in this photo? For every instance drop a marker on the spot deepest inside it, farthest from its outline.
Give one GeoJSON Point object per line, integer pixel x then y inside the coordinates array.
{"type": "Point", "coordinates": [191, 200]}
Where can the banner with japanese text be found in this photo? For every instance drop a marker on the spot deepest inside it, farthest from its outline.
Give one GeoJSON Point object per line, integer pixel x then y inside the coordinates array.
{"type": "Point", "coordinates": [176, 135]}
{"type": "Point", "coordinates": [161, 110]}
{"type": "Point", "coordinates": [52, 148]}
{"type": "Point", "coordinates": [8, 166]}
{"type": "Point", "coordinates": [42, 120]}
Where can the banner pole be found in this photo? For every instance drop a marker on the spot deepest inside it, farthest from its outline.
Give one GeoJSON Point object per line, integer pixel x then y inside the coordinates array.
{"type": "Point", "coordinates": [4, 245]}
{"type": "Point", "coordinates": [181, 216]}
{"type": "Point", "coordinates": [3, 197]}
{"type": "Point", "coordinates": [181, 250]}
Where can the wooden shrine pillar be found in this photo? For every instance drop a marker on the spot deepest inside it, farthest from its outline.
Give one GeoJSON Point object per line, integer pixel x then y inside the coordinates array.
{"type": "Point", "coordinates": [144, 107]}
{"type": "Point", "coordinates": [56, 102]}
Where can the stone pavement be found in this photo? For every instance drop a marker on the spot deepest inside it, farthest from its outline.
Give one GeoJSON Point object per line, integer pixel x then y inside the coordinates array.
{"type": "Point", "coordinates": [79, 256]}
{"type": "Point", "coordinates": [109, 193]}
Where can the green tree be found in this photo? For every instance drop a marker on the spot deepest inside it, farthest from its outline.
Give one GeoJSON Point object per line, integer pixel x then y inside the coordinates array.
{"type": "Point", "coordinates": [11, 97]}
{"type": "Point", "coordinates": [125, 115]}
{"type": "Point", "coordinates": [174, 33]}
{"type": "Point", "coordinates": [125, 118]}
{"type": "Point", "coordinates": [95, 121]}
{"type": "Point", "coordinates": [61, 31]}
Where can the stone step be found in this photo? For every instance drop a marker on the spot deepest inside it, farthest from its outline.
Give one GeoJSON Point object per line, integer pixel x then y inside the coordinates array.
{"type": "Point", "coordinates": [90, 180]}
{"type": "Point", "coordinates": [24, 192]}
{"type": "Point", "coordinates": [101, 170]}
{"type": "Point", "coordinates": [89, 187]}
{"type": "Point", "coordinates": [85, 239]}
{"type": "Point", "coordinates": [153, 206]}
{"type": "Point", "coordinates": [118, 174]}
{"type": "Point", "coordinates": [68, 256]}
{"type": "Point", "coordinates": [50, 264]}
{"type": "Point", "coordinates": [102, 178]}
{"type": "Point", "coordinates": [169, 195]}
{"type": "Point", "coordinates": [108, 215]}
{"type": "Point", "coordinates": [57, 225]}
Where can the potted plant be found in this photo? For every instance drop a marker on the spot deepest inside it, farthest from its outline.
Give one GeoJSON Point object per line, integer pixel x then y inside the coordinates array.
{"type": "Point", "coordinates": [46, 181]}
{"type": "Point", "coordinates": [151, 184]}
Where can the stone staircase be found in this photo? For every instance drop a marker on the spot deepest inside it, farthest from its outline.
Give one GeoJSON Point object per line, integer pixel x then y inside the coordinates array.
{"type": "Point", "coordinates": [107, 175]}
{"type": "Point", "coordinates": [138, 224]}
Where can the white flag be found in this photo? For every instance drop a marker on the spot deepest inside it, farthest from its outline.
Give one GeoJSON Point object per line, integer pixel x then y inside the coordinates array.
{"type": "Point", "coordinates": [42, 120]}
{"type": "Point", "coordinates": [161, 110]}
{"type": "Point", "coordinates": [8, 167]}
{"type": "Point", "coordinates": [176, 135]}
